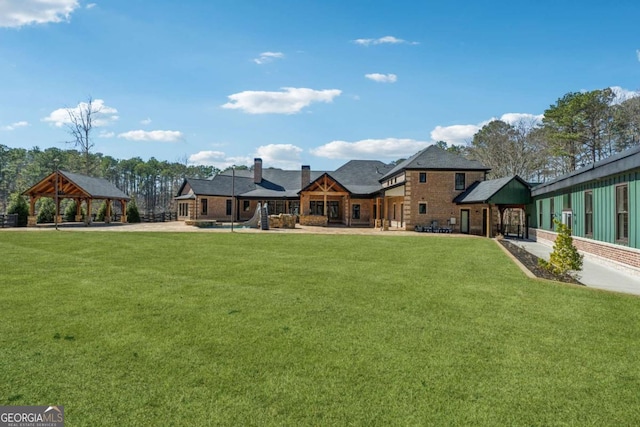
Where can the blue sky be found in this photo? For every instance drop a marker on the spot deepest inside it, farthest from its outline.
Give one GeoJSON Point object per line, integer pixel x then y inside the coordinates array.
{"type": "Point", "coordinates": [296, 82]}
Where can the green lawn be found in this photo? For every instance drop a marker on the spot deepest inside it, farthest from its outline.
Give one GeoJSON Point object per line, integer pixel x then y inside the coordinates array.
{"type": "Point", "coordinates": [278, 329]}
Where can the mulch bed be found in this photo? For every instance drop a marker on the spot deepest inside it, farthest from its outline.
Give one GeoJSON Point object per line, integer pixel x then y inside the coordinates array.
{"type": "Point", "coordinates": [531, 262]}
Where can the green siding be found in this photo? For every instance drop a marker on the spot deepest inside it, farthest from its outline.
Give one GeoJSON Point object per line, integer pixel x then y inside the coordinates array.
{"type": "Point", "coordinates": [513, 193]}
{"type": "Point", "coordinates": [604, 208]}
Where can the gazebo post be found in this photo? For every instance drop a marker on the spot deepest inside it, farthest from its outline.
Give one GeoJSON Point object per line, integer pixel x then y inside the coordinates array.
{"type": "Point", "coordinates": [32, 218]}
{"type": "Point", "coordinates": [123, 204]}
{"type": "Point", "coordinates": [87, 218]}
{"type": "Point", "coordinates": [107, 215]}
{"type": "Point", "coordinates": [78, 217]}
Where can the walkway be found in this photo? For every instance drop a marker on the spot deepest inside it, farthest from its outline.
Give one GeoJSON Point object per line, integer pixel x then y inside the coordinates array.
{"type": "Point", "coordinates": [596, 272]}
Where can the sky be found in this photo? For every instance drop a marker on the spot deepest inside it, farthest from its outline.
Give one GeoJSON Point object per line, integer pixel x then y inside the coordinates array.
{"type": "Point", "coordinates": [299, 82]}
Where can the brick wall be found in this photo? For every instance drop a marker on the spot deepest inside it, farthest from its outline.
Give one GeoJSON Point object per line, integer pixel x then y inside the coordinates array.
{"type": "Point", "coordinates": [438, 192]}
{"type": "Point", "coordinates": [617, 253]}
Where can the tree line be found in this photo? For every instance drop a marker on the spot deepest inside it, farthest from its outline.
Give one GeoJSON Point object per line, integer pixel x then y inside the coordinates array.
{"type": "Point", "coordinates": [579, 129]}
{"type": "Point", "coordinates": [152, 183]}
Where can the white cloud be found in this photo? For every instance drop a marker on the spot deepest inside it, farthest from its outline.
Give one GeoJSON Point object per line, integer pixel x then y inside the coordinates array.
{"type": "Point", "coordinates": [456, 134]}
{"type": "Point", "coordinates": [463, 134]}
{"type": "Point", "coordinates": [290, 101]}
{"type": "Point", "coordinates": [145, 121]}
{"type": "Point", "coordinates": [154, 135]}
{"type": "Point", "coordinates": [103, 115]}
{"type": "Point", "coordinates": [623, 94]}
{"type": "Point", "coordinates": [513, 118]}
{"type": "Point", "coordinates": [285, 156]}
{"type": "Point", "coordinates": [382, 40]}
{"type": "Point", "coordinates": [377, 149]}
{"type": "Point", "coordinates": [382, 78]}
{"type": "Point", "coordinates": [16, 125]}
{"type": "Point", "coordinates": [16, 13]}
{"type": "Point", "coordinates": [91, 5]}
{"type": "Point", "coordinates": [268, 57]}
{"type": "Point", "coordinates": [638, 54]}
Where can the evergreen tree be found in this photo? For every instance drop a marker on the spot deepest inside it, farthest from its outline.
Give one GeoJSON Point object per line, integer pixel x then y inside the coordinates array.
{"type": "Point", "coordinates": [102, 212]}
{"type": "Point", "coordinates": [565, 257]}
{"type": "Point", "coordinates": [46, 211]}
{"type": "Point", "coordinates": [133, 216]}
{"type": "Point", "coordinates": [18, 205]}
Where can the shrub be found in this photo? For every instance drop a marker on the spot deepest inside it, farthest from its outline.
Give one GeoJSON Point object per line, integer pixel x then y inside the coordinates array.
{"type": "Point", "coordinates": [102, 212]}
{"type": "Point", "coordinates": [46, 211]}
{"type": "Point", "coordinates": [564, 257]}
{"type": "Point", "coordinates": [18, 205]}
{"type": "Point", "coordinates": [70, 211]}
{"type": "Point", "coordinates": [133, 216]}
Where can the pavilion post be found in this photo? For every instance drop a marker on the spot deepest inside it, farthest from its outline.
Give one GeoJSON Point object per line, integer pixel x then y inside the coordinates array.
{"type": "Point", "coordinates": [32, 218]}
{"type": "Point", "coordinates": [107, 215]}
{"type": "Point", "coordinates": [123, 203]}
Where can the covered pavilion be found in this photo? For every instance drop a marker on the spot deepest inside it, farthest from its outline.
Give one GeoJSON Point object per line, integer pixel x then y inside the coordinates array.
{"type": "Point", "coordinates": [61, 185]}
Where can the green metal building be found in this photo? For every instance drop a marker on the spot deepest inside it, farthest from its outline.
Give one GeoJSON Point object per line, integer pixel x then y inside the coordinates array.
{"type": "Point", "coordinates": [600, 203]}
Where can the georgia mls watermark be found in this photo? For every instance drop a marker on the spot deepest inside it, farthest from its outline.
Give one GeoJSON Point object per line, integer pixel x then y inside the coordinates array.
{"type": "Point", "coordinates": [31, 416]}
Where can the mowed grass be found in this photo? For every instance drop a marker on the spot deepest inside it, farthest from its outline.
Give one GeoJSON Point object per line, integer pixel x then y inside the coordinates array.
{"type": "Point", "coordinates": [279, 329]}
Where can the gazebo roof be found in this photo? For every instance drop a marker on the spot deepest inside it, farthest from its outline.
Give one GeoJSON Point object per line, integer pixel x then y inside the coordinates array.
{"type": "Point", "coordinates": [75, 185]}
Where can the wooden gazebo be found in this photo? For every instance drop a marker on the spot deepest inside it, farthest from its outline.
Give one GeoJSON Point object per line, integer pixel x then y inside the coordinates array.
{"type": "Point", "coordinates": [81, 188]}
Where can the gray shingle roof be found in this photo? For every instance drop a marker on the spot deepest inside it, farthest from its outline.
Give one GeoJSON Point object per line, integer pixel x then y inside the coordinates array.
{"type": "Point", "coordinates": [97, 188]}
{"type": "Point", "coordinates": [434, 157]}
{"type": "Point", "coordinates": [361, 176]}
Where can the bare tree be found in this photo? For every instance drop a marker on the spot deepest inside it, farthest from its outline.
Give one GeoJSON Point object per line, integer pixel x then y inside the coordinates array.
{"type": "Point", "coordinates": [81, 122]}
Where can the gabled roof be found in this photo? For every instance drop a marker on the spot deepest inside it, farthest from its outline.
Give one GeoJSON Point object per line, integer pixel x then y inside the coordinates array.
{"type": "Point", "coordinates": [361, 176]}
{"type": "Point", "coordinates": [319, 179]}
{"type": "Point", "coordinates": [79, 185]}
{"type": "Point", "coordinates": [435, 158]}
{"type": "Point", "coordinates": [618, 163]}
{"type": "Point", "coordinates": [487, 191]}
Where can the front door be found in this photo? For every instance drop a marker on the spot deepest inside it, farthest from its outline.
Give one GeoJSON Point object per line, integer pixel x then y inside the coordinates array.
{"type": "Point", "coordinates": [464, 221]}
{"type": "Point", "coordinates": [334, 211]}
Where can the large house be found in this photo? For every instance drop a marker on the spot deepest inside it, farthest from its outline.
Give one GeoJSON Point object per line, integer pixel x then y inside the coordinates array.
{"type": "Point", "coordinates": [432, 187]}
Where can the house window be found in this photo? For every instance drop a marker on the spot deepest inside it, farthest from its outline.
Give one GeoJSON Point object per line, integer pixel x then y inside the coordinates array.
{"type": "Point", "coordinates": [551, 213]}
{"type": "Point", "coordinates": [539, 213]}
{"type": "Point", "coordinates": [622, 213]}
{"type": "Point", "coordinates": [460, 181]}
{"type": "Point", "coordinates": [355, 211]}
{"type": "Point", "coordinates": [566, 202]}
{"type": "Point", "coordinates": [394, 211]}
{"type": "Point", "coordinates": [422, 208]}
{"type": "Point", "coordinates": [588, 213]}
{"type": "Point", "coordinates": [316, 208]}
{"type": "Point", "coordinates": [246, 204]}
{"type": "Point", "coordinates": [203, 203]}
{"type": "Point", "coordinates": [183, 209]}
{"type": "Point", "coordinates": [228, 207]}
{"type": "Point", "coordinates": [423, 177]}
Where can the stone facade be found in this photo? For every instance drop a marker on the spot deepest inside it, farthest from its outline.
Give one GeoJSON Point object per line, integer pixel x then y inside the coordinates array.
{"type": "Point", "coordinates": [316, 220]}
{"type": "Point", "coordinates": [282, 221]}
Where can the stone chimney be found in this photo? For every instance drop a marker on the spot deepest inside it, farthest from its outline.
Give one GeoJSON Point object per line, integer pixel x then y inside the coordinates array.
{"type": "Point", "coordinates": [257, 170]}
{"type": "Point", "coordinates": [306, 176]}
